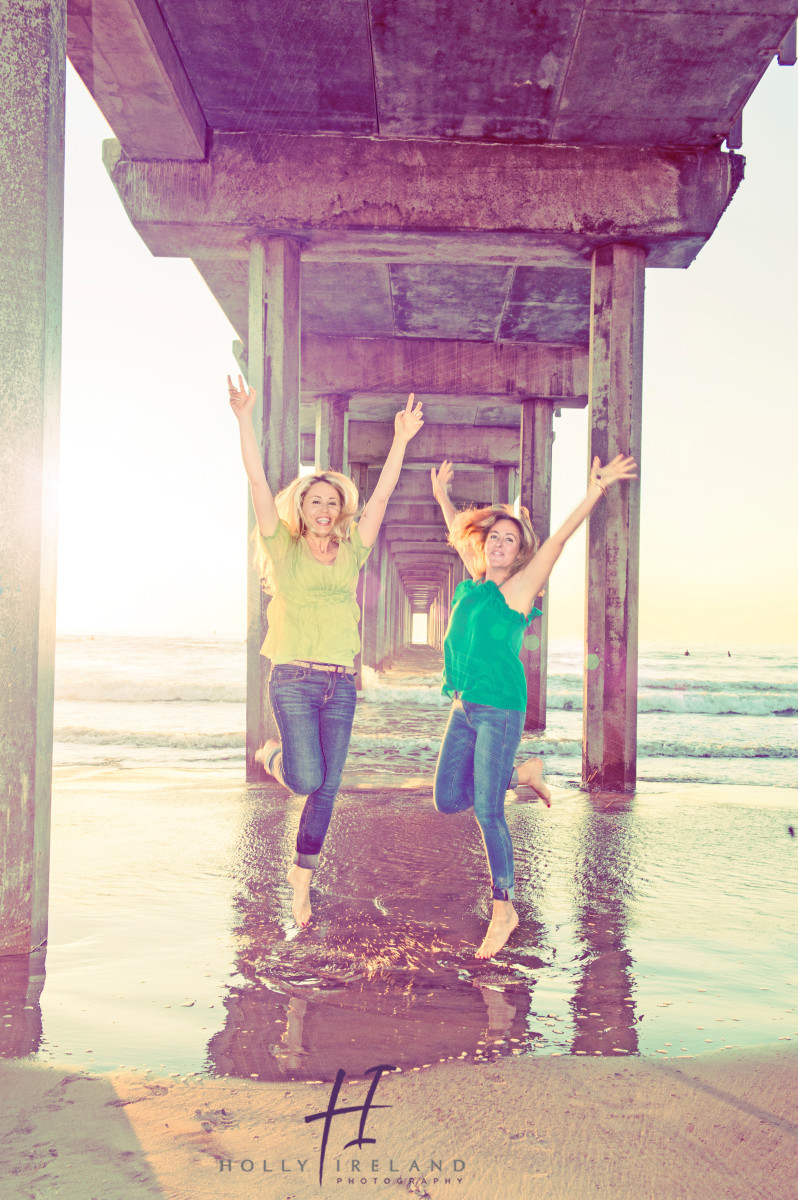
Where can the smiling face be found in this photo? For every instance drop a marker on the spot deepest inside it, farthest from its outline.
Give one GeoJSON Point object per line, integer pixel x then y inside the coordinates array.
{"type": "Point", "coordinates": [502, 545]}
{"type": "Point", "coordinates": [321, 508]}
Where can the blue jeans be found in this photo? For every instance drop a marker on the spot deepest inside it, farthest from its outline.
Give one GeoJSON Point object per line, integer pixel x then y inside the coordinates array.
{"type": "Point", "coordinates": [314, 710]}
{"type": "Point", "coordinates": [474, 769]}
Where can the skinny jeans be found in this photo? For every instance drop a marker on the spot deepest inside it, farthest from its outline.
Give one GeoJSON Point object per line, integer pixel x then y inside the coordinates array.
{"type": "Point", "coordinates": [314, 709]}
{"type": "Point", "coordinates": [474, 770]}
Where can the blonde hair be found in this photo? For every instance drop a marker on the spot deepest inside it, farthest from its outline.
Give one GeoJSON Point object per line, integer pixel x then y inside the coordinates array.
{"type": "Point", "coordinates": [289, 509]}
{"type": "Point", "coordinates": [471, 527]}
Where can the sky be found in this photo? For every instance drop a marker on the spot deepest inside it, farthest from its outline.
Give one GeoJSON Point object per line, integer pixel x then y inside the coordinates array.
{"type": "Point", "coordinates": [152, 524]}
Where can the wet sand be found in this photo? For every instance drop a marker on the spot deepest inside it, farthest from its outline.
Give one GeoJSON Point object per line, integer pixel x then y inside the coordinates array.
{"type": "Point", "coordinates": [636, 1038]}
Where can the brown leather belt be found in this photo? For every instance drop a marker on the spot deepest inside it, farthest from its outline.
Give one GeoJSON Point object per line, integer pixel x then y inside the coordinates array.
{"type": "Point", "coordinates": [335, 668]}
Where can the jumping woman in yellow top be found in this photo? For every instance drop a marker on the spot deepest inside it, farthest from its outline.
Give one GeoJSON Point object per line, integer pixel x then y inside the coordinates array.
{"type": "Point", "coordinates": [313, 550]}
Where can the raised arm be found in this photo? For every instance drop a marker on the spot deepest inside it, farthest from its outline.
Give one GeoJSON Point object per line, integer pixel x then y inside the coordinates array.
{"type": "Point", "coordinates": [521, 589]}
{"type": "Point", "coordinates": [242, 402]}
{"type": "Point", "coordinates": [406, 425]}
{"type": "Point", "coordinates": [441, 484]}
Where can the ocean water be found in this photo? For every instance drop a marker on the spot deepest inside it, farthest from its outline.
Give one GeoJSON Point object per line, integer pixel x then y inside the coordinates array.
{"type": "Point", "coordinates": [718, 715]}
{"type": "Point", "coordinates": [655, 924]}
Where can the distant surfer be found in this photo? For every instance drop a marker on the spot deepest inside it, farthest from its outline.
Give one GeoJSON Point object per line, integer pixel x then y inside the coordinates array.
{"type": "Point", "coordinates": [312, 551]}
{"type": "Point", "coordinates": [484, 675]}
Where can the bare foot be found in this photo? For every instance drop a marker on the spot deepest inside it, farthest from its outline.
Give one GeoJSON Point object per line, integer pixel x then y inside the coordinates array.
{"type": "Point", "coordinates": [268, 754]}
{"type": "Point", "coordinates": [502, 924]}
{"type": "Point", "coordinates": [299, 878]}
{"type": "Point", "coordinates": [531, 773]}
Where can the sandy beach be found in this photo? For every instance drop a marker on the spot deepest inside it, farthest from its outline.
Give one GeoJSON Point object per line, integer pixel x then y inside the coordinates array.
{"type": "Point", "coordinates": [722, 1127]}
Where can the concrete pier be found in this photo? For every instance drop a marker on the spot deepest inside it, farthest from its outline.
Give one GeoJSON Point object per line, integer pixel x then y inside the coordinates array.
{"type": "Point", "coordinates": [609, 748]}
{"type": "Point", "coordinates": [537, 435]}
{"type": "Point", "coordinates": [421, 246]}
{"type": "Point", "coordinates": [32, 51]}
{"type": "Point", "coordinates": [274, 371]}
{"type": "Point", "coordinates": [331, 433]}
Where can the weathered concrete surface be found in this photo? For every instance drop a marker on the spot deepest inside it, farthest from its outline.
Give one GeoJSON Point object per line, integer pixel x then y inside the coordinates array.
{"type": "Point", "coordinates": [370, 441]}
{"type": "Point", "coordinates": [432, 366]}
{"type": "Point", "coordinates": [311, 62]}
{"type": "Point", "coordinates": [574, 197]}
{"type": "Point", "coordinates": [427, 240]}
{"type": "Point", "coordinates": [124, 53]}
{"type": "Point", "coordinates": [504, 481]}
{"type": "Point", "coordinates": [273, 367]}
{"type": "Point", "coordinates": [671, 72]}
{"type": "Point", "coordinates": [469, 383]}
{"type": "Point", "coordinates": [537, 436]}
{"type": "Point", "coordinates": [32, 61]}
{"type": "Point", "coordinates": [609, 745]}
{"type": "Point", "coordinates": [332, 441]}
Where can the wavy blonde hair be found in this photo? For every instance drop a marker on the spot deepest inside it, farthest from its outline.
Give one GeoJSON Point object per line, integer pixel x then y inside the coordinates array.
{"type": "Point", "coordinates": [289, 509]}
{"type": "Point", "coordinates": [471, 527]}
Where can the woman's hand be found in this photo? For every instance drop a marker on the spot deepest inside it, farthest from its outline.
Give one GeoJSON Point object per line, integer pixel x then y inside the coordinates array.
{"type": "Point", "coordinates": [242, 398]}
{"type": "Point", "coordinates": [442, 480]}
{"type": "Point", "coordinates": [408, 422]}
{"type": "Point", "coordinates": [621, 468]}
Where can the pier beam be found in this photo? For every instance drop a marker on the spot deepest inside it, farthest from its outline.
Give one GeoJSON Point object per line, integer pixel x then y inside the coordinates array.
{"type": "Point", "coordinates": [32, 50]}
{"type": "Point", "coordinates": [273, 370]}
{"type": "Point", "coordinates": [537, 436]}
{"type": "Point", "coordinates": [609, 745]}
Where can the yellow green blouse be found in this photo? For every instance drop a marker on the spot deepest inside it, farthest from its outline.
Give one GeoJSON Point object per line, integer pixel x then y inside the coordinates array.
{"type": "Point", "coordinates": [313, 613]}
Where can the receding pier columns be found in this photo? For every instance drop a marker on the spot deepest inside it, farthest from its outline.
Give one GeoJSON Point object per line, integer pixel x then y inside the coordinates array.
{"type": "Point", "coordinates": [32, 50]}
{"type": "Point", "coordinates": [609, 751]}
{"type": "Point", "coordinates": [535, 494]}
{"type": "Point", "coordinates": [273, 368]}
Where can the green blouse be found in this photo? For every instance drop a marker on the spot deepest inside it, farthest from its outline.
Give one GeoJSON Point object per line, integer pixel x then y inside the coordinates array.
{"type": "Point", "coordinates": [481, 647]}
{"type": "Point", "coordinates": [313, 613]}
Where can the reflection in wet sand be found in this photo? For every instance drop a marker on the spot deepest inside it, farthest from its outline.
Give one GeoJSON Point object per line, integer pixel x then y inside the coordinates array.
{"type": "Point", "coordinates": [386, 971]}
{"type": "Point", "coordinates": [21, 983]}
{"type": "Point", "coordinates": [603, 1004]}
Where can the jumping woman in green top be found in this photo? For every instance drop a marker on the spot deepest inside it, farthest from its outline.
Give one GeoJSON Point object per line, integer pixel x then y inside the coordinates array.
{"type": "Point", "coordinates": [312, 553]}
{"type": "Point", "coordinates": [483, 673]}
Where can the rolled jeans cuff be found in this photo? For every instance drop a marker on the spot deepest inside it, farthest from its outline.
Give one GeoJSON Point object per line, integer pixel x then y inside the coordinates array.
{"type": "Point", "coordinates": [504, 893]}
{"type": "Point", "coordinates": [309, 861]}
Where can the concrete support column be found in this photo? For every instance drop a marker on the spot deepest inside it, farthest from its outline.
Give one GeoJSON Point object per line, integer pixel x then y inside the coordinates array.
{"type": "Point", "coordinates": [381, 598]}
{"type": "Point", "coordinates": [273, 370]}
{"type": "Point", "coordinates": [32, 51]}
{"type": "Point", "coordinates": [398, 606]}
{"type": "Point", "coordinates": [501, 485]}
{"type": "Point", "coordinates": [331, 430]}
{"type": "Point", "coordinates": [537, 435]}
{"type": "Point", "coordinates": [390, 614]}
{"type": "Point", "coordinates": [359, 472]}
{"type": "Point", "coordinates": [372, 584]}
{"type": "Point", "coordinates": [609, 748]}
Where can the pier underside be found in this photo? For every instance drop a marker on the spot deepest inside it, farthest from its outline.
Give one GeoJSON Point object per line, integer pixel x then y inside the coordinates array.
{"type": "Point", "coordinates": [458, 200]}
